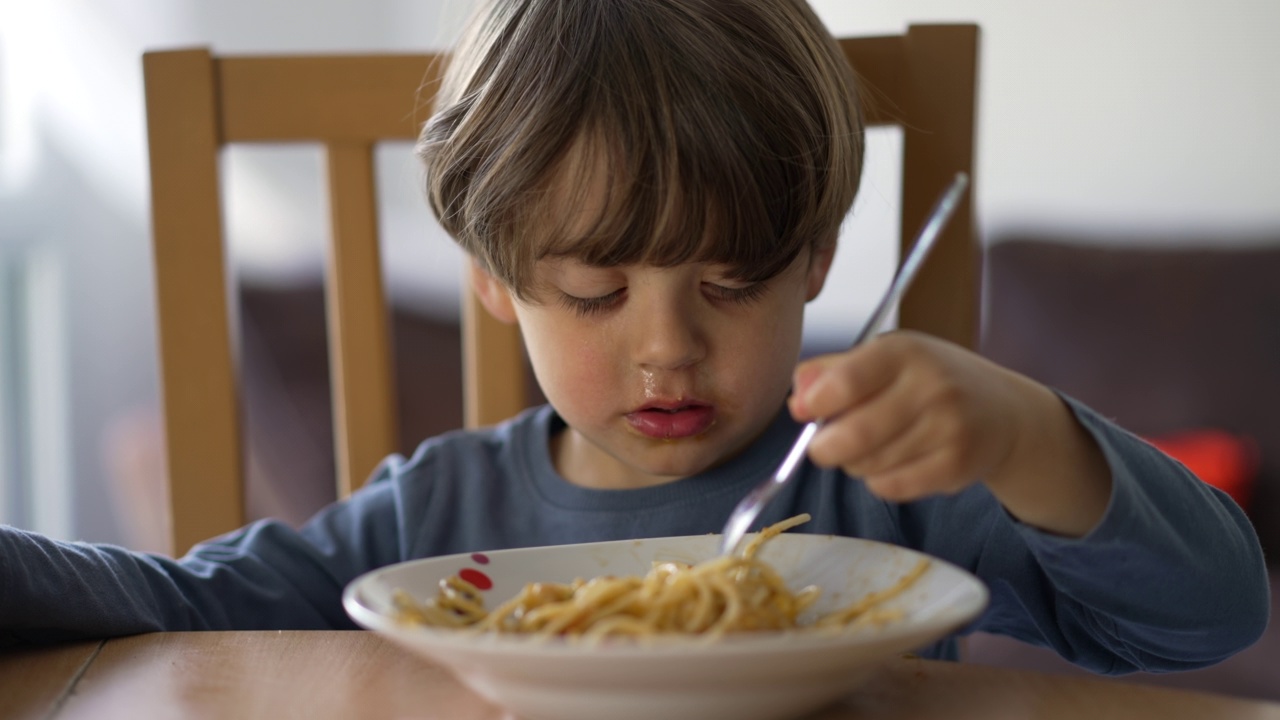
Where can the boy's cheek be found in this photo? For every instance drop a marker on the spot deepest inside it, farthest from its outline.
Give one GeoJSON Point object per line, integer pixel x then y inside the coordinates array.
{"type": "Point", "coordinates": [584, 374]}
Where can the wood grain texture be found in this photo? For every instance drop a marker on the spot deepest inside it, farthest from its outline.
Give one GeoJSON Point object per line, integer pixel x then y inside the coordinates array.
{"type": "Point", "coordinates": [345, 674]}
{"type": "Point", "coordinates": [35, 681]}
{"type": "Point", "coordinates": [265, 676]}
{"type": "Point", "coordinates": [913, 688]}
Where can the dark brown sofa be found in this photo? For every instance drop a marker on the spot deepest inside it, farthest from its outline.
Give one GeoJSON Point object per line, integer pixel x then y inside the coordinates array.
{"type": "Point", "coordinates": [1163, 340]}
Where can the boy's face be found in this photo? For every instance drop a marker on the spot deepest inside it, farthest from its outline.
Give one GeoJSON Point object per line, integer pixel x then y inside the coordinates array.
{"type": "Point", "coordinates": [660, 373]}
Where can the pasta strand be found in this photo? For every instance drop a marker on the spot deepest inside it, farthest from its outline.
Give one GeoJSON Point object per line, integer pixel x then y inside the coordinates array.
{"type": "Point", "coordinates": [726, 594]}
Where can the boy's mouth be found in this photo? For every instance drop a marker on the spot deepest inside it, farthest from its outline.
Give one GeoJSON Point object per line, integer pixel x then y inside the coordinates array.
{"type": "Point", "coordinates": [672, 421]}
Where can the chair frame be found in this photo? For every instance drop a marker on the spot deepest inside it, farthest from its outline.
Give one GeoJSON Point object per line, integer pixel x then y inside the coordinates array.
{"type": "Point", "coordinates": [197, 103]}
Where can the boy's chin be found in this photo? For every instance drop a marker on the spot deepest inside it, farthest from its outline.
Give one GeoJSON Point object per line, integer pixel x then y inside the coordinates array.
{"type": "Point", "coordinates": [633, 461]}
{"type": "Point", "coordinates": [672, 463]}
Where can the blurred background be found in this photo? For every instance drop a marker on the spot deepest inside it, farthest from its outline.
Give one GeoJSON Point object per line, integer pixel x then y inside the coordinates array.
{"type": "Point", "coordinates": [1130, 123]}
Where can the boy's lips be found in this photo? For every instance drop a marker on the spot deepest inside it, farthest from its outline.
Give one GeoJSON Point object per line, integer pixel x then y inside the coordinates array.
{"type": "Point", "coordinates": [672, 421]}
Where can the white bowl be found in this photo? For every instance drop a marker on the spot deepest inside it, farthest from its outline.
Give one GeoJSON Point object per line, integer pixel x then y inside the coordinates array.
{"type": "Point", "coordinates": [750, 676]}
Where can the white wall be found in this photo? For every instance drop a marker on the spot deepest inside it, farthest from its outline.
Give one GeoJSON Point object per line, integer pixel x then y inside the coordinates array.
{"type": "Point", "coordinates": [1122, 115]}
{"type": "Point", "coordinates": [1150, 119]}
{"type": "Point", "coordinates": [1139, 114]}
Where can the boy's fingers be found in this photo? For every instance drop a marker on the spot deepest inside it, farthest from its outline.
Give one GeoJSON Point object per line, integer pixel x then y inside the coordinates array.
{"type": "Point", "coordinates": [862, 437]}
{"type": "Point", "coordinates": [830, 384]}
{"type": "Point", "coordinates": [929, 474]}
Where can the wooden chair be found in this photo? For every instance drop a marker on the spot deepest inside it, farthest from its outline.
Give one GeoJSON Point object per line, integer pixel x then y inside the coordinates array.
{"type": "Point", "coordinates": [197, 103]}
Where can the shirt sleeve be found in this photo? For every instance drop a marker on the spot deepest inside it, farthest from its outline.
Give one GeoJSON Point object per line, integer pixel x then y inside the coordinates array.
{"type": "Point", "coordinates": [264, 576]}
{"type": "Point", "coordinates": [1171, 578]}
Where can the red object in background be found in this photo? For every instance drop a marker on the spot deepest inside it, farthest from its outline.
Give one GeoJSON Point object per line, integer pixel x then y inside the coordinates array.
{"type": "Point", "coordinates": [1225, 461]}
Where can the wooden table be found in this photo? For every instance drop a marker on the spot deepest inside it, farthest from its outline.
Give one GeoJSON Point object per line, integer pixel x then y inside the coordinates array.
{"type": "Point", "coordinates": [247, 675]}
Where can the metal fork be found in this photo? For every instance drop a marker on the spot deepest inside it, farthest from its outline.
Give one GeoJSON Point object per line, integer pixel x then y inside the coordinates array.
{"type": "Point", "coordinates": [749, 508]}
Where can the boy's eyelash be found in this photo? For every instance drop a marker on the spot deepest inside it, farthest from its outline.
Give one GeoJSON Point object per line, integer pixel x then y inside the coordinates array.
{"type": "Point", "coordinates": [592, 305]}
{"type": "Point", "coordinates": [742, 295]}
{"type": "Point", "coordinates": [589, 306]}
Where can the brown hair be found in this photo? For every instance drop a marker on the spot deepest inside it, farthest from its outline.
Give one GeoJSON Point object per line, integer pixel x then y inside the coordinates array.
{"type": "Point", "coordinates": [707, 130]}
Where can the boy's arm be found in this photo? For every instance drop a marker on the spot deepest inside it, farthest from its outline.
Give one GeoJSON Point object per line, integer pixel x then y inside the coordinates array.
{"type": "Point", "coordinates": [1171, 577]}
{"type": "Point", "coordinates": [1055, 477]}
{"type": "Point", "coordinates": [264, 576]}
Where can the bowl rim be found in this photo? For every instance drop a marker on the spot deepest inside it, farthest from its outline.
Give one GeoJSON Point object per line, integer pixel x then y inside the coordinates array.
{"type": "Point", "coordinates": [972, 591]}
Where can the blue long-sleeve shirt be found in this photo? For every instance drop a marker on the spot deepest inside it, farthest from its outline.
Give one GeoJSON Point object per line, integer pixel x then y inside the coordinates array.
{"type": "Point", "coordinates": [1171, 578]}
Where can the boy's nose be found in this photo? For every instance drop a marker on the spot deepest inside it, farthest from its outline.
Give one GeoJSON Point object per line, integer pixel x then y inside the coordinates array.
{"type": "Point", "coordinates": [669, 339]}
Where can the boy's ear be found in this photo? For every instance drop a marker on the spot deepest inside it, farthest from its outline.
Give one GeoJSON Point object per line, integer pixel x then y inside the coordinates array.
{"type": "Point", "coordinates": [492, 293]}
{"type": "Point", "coordinates": [819, 266]}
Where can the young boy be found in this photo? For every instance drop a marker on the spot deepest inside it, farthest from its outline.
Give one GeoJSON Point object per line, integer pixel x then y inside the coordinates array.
{"type": "Point", "coordinates": [653, 190]}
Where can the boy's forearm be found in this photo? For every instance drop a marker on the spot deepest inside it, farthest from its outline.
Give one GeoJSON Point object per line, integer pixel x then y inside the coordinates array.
{"type": "Point", "coordinates": [1055, 478]}
{"type": "Point", "coordinates": [1164, 534]}
{"type": "Point", "coordinates": [52, 591]}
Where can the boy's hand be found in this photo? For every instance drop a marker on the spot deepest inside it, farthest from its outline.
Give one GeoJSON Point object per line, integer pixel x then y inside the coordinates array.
{"type": "Point", "coordinates": [916, 416]}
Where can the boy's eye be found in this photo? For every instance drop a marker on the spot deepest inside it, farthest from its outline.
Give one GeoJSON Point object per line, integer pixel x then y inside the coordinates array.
{"type": "Point", "coordinates": [591, 305]}
{"type": "Point", "coordinates": [743, 295]}
{"type": "Point", "coordinates": [588, 306]}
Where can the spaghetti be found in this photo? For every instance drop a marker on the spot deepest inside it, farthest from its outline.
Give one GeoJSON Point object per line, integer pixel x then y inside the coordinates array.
{"type": "Point", "coordinates": [726, 594]}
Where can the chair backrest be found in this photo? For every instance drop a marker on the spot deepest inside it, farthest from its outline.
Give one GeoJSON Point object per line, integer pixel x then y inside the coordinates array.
{"type": "Point", "coordinates": [924, 81]}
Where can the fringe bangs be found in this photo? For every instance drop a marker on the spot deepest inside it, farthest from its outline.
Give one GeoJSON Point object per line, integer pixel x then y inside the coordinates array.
{"type": "Point", "coordinates": [625, 132]}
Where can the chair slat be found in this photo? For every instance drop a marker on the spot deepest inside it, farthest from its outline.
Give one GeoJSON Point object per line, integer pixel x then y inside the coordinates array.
{"type": "Point", "coordinates": [202, 415]}
{"type": "Point", "coordinates": [492, 366]}
{"type": "Point", "coordinates": [364, 417]}
{"type": "Point", "coordinates": [924, 82]}
{"type": "Point", "coordinates": [878, 64]}
{"type": "Point", "coordinates": [938, 143]}
{"type": "Point", "coordinates": [357, 98]}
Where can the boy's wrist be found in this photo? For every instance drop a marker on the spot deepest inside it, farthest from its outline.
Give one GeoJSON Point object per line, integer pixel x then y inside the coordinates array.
{"type": "Point", "coordinates": [1055, 477]}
